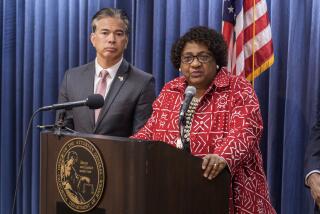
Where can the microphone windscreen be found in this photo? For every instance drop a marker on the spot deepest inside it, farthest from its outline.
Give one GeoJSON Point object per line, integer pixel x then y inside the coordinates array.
{"type": "Point", "coordinates": [190, 90]}
{"type": "Point", "coordinates": [95, 101]}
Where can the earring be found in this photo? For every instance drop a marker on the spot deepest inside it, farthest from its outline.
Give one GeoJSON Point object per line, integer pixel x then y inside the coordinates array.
{"type": "Point", "coordinates": [180, 69]}
{"type": "Point", "coordinates": [218, 67]}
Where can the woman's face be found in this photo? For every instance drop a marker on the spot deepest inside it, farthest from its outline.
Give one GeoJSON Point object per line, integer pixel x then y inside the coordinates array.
{"type": "Point", "coordinates": [201, 70]}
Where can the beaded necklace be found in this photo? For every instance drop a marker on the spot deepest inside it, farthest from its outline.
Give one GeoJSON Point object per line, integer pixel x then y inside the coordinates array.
{"type": "Point", "coordinates": [189, 116]}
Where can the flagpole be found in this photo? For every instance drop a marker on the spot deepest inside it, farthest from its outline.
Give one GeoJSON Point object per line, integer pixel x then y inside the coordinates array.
{"type": "Point", "coordinates": [253, 38]}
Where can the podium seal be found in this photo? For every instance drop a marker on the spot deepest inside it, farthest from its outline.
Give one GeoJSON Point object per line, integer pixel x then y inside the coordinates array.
{"type": "Point", "coordinates": [80, 175]}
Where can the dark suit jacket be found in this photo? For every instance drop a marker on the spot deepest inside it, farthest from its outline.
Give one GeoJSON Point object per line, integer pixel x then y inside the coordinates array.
{"type": "Point", "coordinates": [312, 154]}
{"type": "Point", "coordinates": [127, 106]}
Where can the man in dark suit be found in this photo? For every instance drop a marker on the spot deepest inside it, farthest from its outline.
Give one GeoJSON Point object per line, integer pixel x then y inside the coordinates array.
{"type": "Point", "coordinates": [312, 163]}
{"type": "Point", "coordinates": [128, 91]}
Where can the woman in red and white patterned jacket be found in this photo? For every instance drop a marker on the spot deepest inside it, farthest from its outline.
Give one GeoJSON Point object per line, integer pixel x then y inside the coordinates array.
{"type": "Point", "coordinates": [223, 122]}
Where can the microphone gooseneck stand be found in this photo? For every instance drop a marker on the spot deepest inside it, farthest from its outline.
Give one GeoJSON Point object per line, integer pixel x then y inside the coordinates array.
{"type": "Point", "coordinates": [59, 128]}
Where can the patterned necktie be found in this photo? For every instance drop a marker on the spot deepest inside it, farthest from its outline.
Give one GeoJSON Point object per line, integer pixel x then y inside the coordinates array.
{"type": "Point", "coordinates": [101, 89]}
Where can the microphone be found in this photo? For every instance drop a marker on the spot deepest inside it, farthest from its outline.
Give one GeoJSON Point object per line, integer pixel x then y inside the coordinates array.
{"type": "Point", "coordinates": [93, 101]}
{"type": "Point", "coordinates": [189, 94]}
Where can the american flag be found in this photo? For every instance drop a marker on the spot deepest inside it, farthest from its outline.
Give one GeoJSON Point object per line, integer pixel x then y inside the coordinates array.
{"type": "Point", "coordinates": [247, 31]}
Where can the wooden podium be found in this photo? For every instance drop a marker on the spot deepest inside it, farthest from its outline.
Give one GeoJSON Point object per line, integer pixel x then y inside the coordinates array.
{"type": "Point", "coordinates": [141, 178]}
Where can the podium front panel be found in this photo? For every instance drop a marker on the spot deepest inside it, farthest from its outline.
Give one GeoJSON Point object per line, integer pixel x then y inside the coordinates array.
{"type": "Point", "coordinates": [141, 178]}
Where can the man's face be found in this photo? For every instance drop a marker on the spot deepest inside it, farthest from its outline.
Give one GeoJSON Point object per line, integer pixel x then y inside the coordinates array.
{"type": "Point", "coordinates": [110, 40]}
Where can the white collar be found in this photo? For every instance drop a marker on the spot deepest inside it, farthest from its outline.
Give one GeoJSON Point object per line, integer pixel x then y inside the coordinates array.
{"type": "Point", "coordinates": [111, 70]}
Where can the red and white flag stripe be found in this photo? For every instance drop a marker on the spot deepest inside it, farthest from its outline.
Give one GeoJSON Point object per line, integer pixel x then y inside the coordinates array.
{"type": "Point", "coordinates": [247, 31]}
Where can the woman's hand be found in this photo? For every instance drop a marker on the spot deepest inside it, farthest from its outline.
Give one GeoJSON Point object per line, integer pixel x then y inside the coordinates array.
{"type": "Point", "coordinates": [212, 165]}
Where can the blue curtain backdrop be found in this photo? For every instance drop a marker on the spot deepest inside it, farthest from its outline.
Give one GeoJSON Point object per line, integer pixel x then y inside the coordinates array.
{"type": "Point", "coordinates": [40, 39]}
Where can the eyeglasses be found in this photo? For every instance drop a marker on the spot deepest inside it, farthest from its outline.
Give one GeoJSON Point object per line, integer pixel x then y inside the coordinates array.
{"type": "Point", "coordinates": [202, 58]}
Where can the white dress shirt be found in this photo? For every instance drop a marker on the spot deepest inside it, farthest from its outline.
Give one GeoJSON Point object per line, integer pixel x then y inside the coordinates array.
{"type": "Point", "coordinates": [112, 73]}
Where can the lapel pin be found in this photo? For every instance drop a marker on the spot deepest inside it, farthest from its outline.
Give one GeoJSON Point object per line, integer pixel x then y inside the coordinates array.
{"type": "Point", "coordinates": [120, 78]}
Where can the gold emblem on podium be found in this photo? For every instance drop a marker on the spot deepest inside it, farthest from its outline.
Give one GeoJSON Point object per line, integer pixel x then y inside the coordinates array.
{"type": "Point", "coordinates": [80, 175]}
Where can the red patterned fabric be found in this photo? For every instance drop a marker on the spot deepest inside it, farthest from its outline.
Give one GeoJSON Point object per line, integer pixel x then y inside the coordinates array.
{"type": "Point", "coordinates": [227, 122]}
